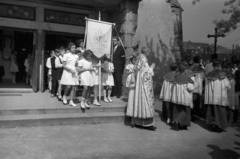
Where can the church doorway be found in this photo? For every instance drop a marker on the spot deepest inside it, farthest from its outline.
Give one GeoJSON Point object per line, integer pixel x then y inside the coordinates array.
{"type": "Point", "coordinates": [21, 42]}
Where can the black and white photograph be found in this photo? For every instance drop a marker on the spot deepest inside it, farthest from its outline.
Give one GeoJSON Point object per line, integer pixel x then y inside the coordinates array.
{"type": "Point", "coordinates": [119, 79]}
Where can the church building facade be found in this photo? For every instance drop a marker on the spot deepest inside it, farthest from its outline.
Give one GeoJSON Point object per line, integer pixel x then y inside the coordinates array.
{"type": "Point", "coordinates": [38, 26]}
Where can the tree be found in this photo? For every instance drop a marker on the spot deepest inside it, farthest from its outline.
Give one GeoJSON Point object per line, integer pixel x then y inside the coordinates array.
{"type": "Point", "coordinates": [232, 9]}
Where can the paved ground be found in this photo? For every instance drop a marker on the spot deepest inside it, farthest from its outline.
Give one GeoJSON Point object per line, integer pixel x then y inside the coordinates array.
{"type": "Point", "coordinates": [110, 141]}
{"type": "Point", "coordinates": [118, 141]}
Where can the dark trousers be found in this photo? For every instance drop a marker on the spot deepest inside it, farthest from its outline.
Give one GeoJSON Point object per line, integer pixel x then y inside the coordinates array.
{"type": "Point", "coordinates": [235, 116]}
{"type": "Point", "coordinates": [167, 109]}
{"type": "Point", "coordinates": [54, 84]}
{"type": "Point", "coordinates": [117, 89]}
{"type": "Point", "coordinates": [198, 108]}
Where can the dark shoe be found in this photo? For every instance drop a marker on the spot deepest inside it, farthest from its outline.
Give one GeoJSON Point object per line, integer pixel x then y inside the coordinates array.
{"type": "Point", "coordinates": [215, 128]}
{"type": "Point", "coordinates": [118, 96]}
{"type": "Point", "coordinates": [138, 126]}
{"type": "Point", "coordinates": [52, 95]}
{"type": "Point", "coordinates": [193, 119]}
{"type": "Point", "coordinates": [182, 127]}
{"type": "Point", "coordinates": [152, 128]}
{"type": "Point", "coordinates": [175, 126]}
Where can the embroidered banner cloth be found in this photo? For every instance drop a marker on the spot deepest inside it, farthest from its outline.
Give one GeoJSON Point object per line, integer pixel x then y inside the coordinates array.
{"type": "Point", "coordinates": [99, 37]}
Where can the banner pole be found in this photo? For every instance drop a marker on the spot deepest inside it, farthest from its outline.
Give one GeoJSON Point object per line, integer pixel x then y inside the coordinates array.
{"type": "Point", "coordinates": [99, 68]}
{"type": "Point", "coordinates": [120, 39]}
{"type": "Point", "coordinates": [84, 42]}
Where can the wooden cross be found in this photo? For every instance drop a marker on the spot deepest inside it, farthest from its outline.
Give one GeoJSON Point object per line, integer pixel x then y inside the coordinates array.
{"type": "Point", "coordinates": [215, 37]}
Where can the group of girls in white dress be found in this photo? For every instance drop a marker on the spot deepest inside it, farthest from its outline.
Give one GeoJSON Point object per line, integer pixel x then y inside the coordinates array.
{"type": "Point", "coordinates": [189, 92]}
{"type": "Point", "coordinates": [80, 68]}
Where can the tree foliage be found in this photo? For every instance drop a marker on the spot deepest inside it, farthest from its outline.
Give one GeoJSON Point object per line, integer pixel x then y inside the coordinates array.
{"type": "Point", "coordinates": [232, 9]}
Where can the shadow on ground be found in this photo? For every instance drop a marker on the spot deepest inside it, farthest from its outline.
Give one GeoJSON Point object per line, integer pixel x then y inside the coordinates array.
{"type": "Point", "coordinates": [125, 99]}
{"type": "Point", "coordinates": [202, 123]}
{"type": "Point", "coordinates": [238, 145]}
{"type": "Point", "coordinates": [218, 153]}
{"type": "Point", "coordinates": [236, 142]}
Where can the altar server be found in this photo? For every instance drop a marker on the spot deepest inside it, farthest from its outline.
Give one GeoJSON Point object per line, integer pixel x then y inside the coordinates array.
{"type": "Point", "coordinates": [166, 92]}
{"type": "Point", "coordinates": [182, 97]}
{"type": "Point", "coordinates": [216, 97]}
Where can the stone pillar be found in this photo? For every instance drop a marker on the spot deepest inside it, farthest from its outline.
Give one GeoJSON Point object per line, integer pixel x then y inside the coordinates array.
{"type": "Point", "coordinates": [38, 75]}
{"type": "Point", "coordinates": [126, 18]}
{"type": "Point", "coordinates": [178, 32]}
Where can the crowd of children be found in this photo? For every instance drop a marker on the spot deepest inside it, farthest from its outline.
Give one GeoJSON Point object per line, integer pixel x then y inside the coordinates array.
{"type": "Point", "coordinates": [75, 69]}
{"type": "Point", "coordinates": [210, 92]}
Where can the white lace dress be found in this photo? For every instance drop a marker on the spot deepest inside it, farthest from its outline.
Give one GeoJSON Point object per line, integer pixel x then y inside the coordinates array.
{"type": "Point", "coordinates": [69, 78]}
{"type": "Point", "coordinates": [87, 76]}
{"type": "Point", "coordinates": [107, 77]}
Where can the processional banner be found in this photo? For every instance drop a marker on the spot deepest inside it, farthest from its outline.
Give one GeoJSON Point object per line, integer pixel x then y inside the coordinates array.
{"type": "Point", "coordinates": [99, 37]}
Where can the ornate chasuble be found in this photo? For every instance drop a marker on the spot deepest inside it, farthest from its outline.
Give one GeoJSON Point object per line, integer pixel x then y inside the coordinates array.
{"type": "Point", "coordinates": [144, 97]}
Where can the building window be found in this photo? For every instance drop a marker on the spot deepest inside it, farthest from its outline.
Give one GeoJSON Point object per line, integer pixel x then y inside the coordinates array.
{"type": "Point", "coordinates": [17, 12]}
{"type": "Point", "coordinates": [64, 17]}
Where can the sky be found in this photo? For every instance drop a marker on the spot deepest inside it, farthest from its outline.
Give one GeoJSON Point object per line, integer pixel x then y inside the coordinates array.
{"type": "Point", "coordinates": [198, 22]}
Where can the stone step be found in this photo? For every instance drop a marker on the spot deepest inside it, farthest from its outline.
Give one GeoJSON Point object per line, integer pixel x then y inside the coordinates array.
{"type": "Point", "coordinates": [93, 109]}
{"type": "Point", "coordinates": [61, 119]}
{"type": "Point", "coordinates": [16, 90]}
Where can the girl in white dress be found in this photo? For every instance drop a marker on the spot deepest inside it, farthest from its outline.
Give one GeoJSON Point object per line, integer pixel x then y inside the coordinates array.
{"type": "Point", "coordinates": [78, 88]}
{"type": "Point", "coordinates": [130, 84]}
{"type": "Point", "coordinates": [69, 76]}
{"type": "Point", "coordinates": [81, 46]}
{"type": "Point", "coordinates": [14, 66]}
{"type": "Point", "coordinates": [130, 72]}
{"type": "Point", "coordinates": [96, 66]}
{"type": "Point", "coordinates": [85, 68]}
{"type": "Point", "coordinates": [107, 79]}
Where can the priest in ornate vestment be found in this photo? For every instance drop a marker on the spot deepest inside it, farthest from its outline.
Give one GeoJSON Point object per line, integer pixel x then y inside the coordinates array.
{"type": "Point", "coordinates": [141, 108]}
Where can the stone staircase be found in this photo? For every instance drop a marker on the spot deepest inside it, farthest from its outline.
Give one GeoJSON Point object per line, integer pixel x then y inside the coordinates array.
{"type": "Point", "coordinates": [61, 116]}
{"type": "Point", "coordinates": [22, 107]}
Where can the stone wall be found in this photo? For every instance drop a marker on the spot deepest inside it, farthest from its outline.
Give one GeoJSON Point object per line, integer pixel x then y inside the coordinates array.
{"type": "Point", "coordinates": [158, 28]}
{"type": "Point", "coordinates": [125, 17]}
{"type": "Point", "coordinates": [177, 17]}
{"type": "Point", "coordinates": [153, 23]}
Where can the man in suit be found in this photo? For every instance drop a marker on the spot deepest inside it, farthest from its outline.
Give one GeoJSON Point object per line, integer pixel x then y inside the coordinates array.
{"type": "Point", "coordinates": [119, 64]}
